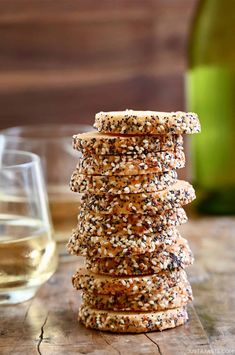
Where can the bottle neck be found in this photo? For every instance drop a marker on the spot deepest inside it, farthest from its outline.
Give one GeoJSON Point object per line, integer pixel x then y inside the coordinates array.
{"type": "Point", "coordinates": [220, 11]}
{"type": "Point", "coordinates": [213, 33]}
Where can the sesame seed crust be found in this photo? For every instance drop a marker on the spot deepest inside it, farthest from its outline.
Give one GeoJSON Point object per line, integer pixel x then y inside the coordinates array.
{"type": "Point", "coordinates": [101, 225]}
{"type": "Point", "coordinates": [134, 278]}
{"type": "Point", "coordinates": [88, 281]}
{"type": "Point", "coordinates": [179, 256]}
{"type": "Point", "coordinates": [147, 122]}
{"type": "Point", "coordinates": [112, 246]}
{"type": "Point", "coordinates": [130, 322]}
{"type": "Point", "coordinates": [103, 144]}
{"type": "Point", "coordinates": [131, 164]}
{"type": "Point", "coordinates": [179, 194]}
{"type": "Point", "coordinates": [175, 297]}
{"type": "Point", "coordinates": [124, 184]}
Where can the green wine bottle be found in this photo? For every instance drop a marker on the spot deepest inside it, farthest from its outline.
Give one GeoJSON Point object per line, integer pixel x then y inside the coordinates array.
{"type": "Point", "coordinates": [210, 87]}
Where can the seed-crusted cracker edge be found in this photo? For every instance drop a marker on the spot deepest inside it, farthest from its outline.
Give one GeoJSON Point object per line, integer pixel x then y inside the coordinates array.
{"type": "Point", "coordinates": [131, 164]}
{"type": "Point", "coordinates": [124, 184]}
{"type": "Point", "coordinates": [104, 144]}
{"type": "Point", "coordinates": [94, 224]}
{"type": "Point", "coordinates": [86, 280]}
{"type": "Point", "coordinates": [145, 264]}
{"type": "Point", "coordinates": [147, 122]}
{"type": "Point", "coordinates": [112, 246]}
{"type": "Point", "coordinates": [130, 322]}
{"type": "Point", "coordinates": [179, 194]}
{"type": "Point", "coordinates": [165, 299]}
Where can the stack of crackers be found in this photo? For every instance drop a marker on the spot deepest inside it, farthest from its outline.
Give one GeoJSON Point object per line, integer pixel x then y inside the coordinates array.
{"type": "Point", "coordinates": [134, 276]}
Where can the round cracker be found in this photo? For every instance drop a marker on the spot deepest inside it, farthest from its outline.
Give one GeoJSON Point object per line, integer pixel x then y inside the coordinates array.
{"type": "Point", "coordinates": [86, 280]}
{"type": "Point", "coordinates": [131, 164]}
{"type": "Point", "coordinates": [175, 297]}
{"type": "Point", "coordinates": [132, 322]}
{"type": "Point", "coordinates": [105, 144]}
{"type": "Point", "coordinates": [179, 256]}
{"type": "Point", "coordinates": [147, 122]}
{"type": "Point", "coordinates": [179, 194]}
{"type": "Point", "coordinates": [124, 184]}
{"type": "Point", "coordinates": [133, 224]}
{"type": "Point", "coordinates": [119, 245]}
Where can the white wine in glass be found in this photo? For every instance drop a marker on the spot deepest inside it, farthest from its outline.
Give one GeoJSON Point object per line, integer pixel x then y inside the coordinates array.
{"type": "Point", "coordinates": [28, 254]}
{"type": "Point", "coordinates": [53, 143]}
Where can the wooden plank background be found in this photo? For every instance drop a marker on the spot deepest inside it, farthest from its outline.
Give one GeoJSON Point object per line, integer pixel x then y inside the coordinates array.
{"type": "Point", "coordinates": [62, 61]}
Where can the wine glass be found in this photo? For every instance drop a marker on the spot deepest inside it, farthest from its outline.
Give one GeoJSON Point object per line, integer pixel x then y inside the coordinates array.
{"type": "Point", "coordinates": [53, 143]}
{"type": "Point", "coordinates": [28, 254]}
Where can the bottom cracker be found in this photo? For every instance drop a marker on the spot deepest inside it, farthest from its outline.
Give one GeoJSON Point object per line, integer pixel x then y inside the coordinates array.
{"type": "Point", "coordinates": [131, 322]}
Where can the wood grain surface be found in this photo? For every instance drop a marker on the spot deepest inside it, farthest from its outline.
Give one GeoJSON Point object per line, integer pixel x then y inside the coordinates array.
{"type": "Point", "coordinates": [48, 323]}
{"type": "Point", "coordinates": [62, 61]}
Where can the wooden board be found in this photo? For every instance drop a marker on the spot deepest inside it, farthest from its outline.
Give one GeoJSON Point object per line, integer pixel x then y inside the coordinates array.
{"type": "Point", "coordinates": [48, 323]}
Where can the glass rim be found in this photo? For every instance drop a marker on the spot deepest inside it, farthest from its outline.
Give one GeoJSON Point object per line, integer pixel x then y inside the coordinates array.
{"type": "Point", "coordinates": [8, 132]}
{"type": "Point", "coordinates": [34, 159]}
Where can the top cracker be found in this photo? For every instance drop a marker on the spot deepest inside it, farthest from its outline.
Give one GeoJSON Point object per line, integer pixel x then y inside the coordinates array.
{"type": "Point", "coordinates": [147, 122]}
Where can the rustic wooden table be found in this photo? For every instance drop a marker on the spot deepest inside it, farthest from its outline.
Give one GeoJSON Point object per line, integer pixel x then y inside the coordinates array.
{"type": "Point", "coordinates": [48, 323]}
